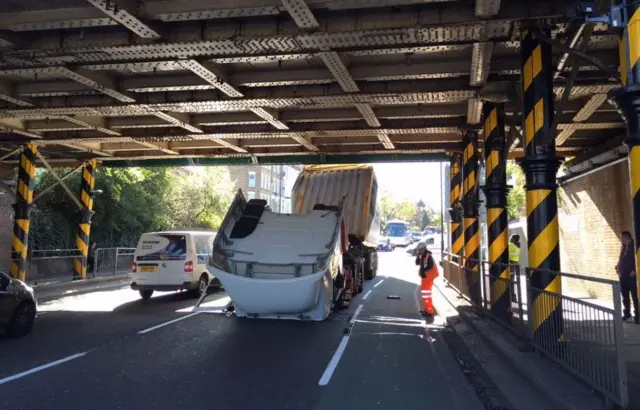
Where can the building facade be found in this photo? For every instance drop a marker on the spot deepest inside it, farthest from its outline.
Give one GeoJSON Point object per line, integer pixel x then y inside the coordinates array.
{"type": "Point", "coordinates": [272, 183]}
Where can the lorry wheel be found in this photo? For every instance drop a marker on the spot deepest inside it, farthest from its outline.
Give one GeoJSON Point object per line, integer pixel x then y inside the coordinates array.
{"type": "Point", "coordinates": [360, 278]}
{"type": "Point", "coordinates": [146, 294]}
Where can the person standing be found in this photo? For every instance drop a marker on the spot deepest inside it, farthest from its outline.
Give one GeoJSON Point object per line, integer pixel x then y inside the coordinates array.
{"type": "Point", "coordinates": [626, 269]}
{"type": "Point", "coordinates": [91, 258]}
{"type": "Point", "coordinates": [428, 272]}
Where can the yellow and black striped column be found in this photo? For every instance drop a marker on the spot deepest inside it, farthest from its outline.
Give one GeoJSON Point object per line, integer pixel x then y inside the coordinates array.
{"type": "Point", "coordinates": [540, 165]}
{"type": "Point", "coordinates": [627, 100]}
{"type": "Point", "coordinates": [84, 226]}
{"type": "Point", "coordinates": [470, 204]}
{"type": "Point", "coordinates": [22, 207]}
{"type": "Point", "coordinates": [455, 212]}
{"type": "Point", "coordinates": [495, 192]}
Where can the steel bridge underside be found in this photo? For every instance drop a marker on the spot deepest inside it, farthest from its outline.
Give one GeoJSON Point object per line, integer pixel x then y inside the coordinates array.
{"type": "Point", "coordinates": [163, 82]}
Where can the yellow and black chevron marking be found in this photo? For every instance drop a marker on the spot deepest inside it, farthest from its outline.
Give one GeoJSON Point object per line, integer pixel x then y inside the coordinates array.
{"type": "Point", "coordinates": [84, 227]}
{"type": "Point", "coordinates": [457, 238]}
{"type": "Point", "coordinates": [496, 196]}
{"type": "Point", "coordinates": [24, 198]}
{"type": "Point", "coordinates": [542, 205]}
{"type": "Point", "coordinates": [630, 62]}
{"type": "Point", "coordinates": [471, 222]}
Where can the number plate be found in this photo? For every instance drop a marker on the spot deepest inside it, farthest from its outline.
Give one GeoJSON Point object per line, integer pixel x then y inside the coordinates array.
{"type": "Point", "coordinates": [148, 268]}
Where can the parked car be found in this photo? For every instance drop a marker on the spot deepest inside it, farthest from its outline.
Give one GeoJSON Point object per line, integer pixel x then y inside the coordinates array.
{"type": "Point", "coordinates": [415, 236]}
{"type": "Point", "coordinates": [18, 306]}
{"type": "Point", "coordinates": [172, 260]}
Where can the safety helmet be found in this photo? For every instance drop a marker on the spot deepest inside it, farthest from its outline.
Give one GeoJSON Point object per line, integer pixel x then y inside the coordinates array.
{"type": "Point", "coordinates": [421, 246]}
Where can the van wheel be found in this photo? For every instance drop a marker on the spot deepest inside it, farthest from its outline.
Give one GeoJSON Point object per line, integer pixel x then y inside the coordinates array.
{"type": "Point", "coordinates": [146, 294]}
{"type": "Point", "coordinates": [22, 320]}
{"type": "Point", "coordinates": [203, 282]}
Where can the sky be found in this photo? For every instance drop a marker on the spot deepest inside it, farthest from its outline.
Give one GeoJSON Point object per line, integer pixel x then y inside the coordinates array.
{"type": "Point", "coordinates": [412, 181]}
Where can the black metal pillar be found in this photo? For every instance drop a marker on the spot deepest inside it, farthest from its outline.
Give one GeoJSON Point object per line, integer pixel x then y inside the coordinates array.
{"type": "Point", "coordinates": [22, 207]}
{"type": "Point", "coordinates": [495, 191]}
{"type": "Point", "coordinates": [540, 165]}
{"type": "Point", "coordinates": [627, 100]}
{"type": "Point", "coordinates": [455, 212]}
{"type": "Point", "coordinates": [471, 203]}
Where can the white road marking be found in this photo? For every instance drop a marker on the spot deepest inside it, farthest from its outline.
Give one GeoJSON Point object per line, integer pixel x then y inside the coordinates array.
{"type": "Point", "coordinates": [166, 323]}
{"type": "Point", "coordinates": [331, 367]}
{"type": "Point", "coordinates": [378, 284]}
{"type": "Point", "coordinates": [355, 315]}
{"type": "Point", "coordinates": [40, 368]}
{"type": "Point", "coordinates": [326, 376]}
{"type": "Point", "coordinates": [366, 295]}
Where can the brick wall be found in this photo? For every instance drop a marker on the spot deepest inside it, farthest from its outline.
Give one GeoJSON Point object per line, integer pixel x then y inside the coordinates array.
{"type": "Point", "coordinates": [592, 211]}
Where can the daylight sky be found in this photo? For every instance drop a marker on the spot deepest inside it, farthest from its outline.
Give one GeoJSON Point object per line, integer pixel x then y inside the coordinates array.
{"type": "Point", "coordinates": [412, 180]}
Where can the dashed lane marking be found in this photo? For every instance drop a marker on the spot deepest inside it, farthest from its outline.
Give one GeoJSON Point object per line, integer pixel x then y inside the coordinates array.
{"type": "Point", "coordinates": [366, 295]}
{"type": "Point", "coordinates": [333, 364]}
{"type": "Point", "coordinates": [378, 284]}
{"type": "Point", "coordinates": [355, 314]}
{"type": "Point", "coordinates": [142, 332]}
{"type": "Point", "coordinates": [43, 367]}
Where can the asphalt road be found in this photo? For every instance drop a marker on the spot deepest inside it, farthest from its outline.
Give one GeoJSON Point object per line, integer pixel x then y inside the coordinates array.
{"type": "Point", "coordinates": [103, 350]}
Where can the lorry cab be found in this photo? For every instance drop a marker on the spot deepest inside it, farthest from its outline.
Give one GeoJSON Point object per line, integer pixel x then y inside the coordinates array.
{"type": "Point", "coordinates": [172, 260]}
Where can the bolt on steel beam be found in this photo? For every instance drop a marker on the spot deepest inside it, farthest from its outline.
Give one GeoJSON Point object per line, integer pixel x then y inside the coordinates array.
{"type": "Point", "coordinates": [301, 13]}
{"type": "Point", "coordinates": [208, 74]}
{"type": "Point", "coordinates": [178, 119]}
{"type": "Point", "coordinates": [125, 18]}
{"type": "Point", "coordinates": [96, 81]}
{"type": "Point", "coordinates": [337, 67]}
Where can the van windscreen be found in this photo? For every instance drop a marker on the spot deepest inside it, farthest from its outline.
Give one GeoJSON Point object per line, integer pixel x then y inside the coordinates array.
{"type": "Point", "coordinates": [162, 247]}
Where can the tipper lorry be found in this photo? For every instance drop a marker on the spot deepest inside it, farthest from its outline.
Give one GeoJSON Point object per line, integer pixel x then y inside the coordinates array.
{"type": "Point", "coordinates": [357, 184]}
{"type": "Point", "coordinates": [281, 266]}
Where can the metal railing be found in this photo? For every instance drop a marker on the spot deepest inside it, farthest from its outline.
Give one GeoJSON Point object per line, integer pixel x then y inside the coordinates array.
{"type": "Point", "coordinates": [52, 265]}
{"type": "Point", "coordinates": [111, 261]}
{"type": "Point", "coordinates": [589, 343]}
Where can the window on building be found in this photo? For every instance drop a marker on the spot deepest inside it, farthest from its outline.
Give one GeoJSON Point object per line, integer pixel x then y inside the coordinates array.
{"type": "Point", "coordinates": [252, 179]}
{"type": "Point", "coordinates": [251, 194]}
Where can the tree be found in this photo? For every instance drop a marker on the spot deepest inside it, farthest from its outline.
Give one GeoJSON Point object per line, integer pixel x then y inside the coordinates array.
{"type": "Point", "coordinates": [392, 209]}
{"type": "Point", "coordinates": [134, 201]}
{"type": "Point", "coordinates": [517, 196]}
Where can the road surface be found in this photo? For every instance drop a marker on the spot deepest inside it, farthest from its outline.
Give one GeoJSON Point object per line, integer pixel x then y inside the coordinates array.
{"type": "Point", "coordinates": [111, 350]}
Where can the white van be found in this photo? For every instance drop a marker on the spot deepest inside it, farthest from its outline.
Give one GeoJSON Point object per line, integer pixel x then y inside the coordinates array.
{"type": "Point", "coordinates": [172, 260]}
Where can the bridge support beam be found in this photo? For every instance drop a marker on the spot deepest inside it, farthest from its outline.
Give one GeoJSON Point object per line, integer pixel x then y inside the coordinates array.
{"type": "Point", "coordinates": [495, 191]}
{"type": "Point", "coordinates": [455, 212]}
{"type": "Point", "coordinates": [84, 226]}
{"type": "Point", "coordinates": [471, 203]}
{"type": "Point", "coordinates": [22, 207]}
{"type": "Point", "coordinates": [627, 100]}
{"type": "Point", "coordinates": [540, 165]}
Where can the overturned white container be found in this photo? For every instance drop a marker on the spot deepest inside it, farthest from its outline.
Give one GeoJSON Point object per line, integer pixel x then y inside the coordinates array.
{"type": "Point", "coordinates": [278, 265]}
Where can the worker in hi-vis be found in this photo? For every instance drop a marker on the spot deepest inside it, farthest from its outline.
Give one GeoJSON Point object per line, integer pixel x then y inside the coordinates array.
{"type": "Point", "coordinates": [428, 272]}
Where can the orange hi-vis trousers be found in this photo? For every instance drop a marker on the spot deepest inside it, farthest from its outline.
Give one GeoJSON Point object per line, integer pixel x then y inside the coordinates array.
{"type": "Point", "coordinates": [425, 289]}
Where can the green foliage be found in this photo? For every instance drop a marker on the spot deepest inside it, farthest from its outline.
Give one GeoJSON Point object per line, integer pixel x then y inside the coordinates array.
{"type": "Point", "coordinates": [392, 209]}
{"type": "Point", "coordinates": [408, 211]}
{"type": "Point", "coordinates": [134, 201]}
{"type": "Point", "coordinates": [516, 200]}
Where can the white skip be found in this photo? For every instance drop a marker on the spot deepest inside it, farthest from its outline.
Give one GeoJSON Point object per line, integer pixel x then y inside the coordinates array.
{"type": "Point", "coordinates": [166, 323]}
{"type": "Point", "coordinates": [378, 284]}
{"type": "Point", "coordinates": [366, 295]}
{"type": "Point", "coordinates": [40, 368]}
{"type": "Point", "coordinates": [331, 367]}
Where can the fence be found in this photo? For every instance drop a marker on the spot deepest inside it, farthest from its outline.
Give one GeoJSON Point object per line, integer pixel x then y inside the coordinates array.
{"type": "Point", "coordinates": [54, 265]}
{"type": "Point", "coordinates": [588, 341]}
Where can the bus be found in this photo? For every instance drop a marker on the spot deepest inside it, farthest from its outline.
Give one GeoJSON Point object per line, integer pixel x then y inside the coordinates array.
{"type": "Point", "coordinates": [398, 232]}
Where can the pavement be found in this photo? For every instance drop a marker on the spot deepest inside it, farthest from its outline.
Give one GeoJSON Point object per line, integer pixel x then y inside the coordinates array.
{"type": "Point", "coordinates": [110, 350]}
